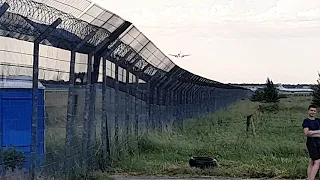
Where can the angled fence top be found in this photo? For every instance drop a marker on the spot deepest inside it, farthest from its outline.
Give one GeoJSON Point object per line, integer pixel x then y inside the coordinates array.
{"type": "Point", "coordinates": [26, 20]}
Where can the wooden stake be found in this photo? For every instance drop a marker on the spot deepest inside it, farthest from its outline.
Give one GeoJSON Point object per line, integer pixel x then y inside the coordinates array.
{"type": "Point", "coordinates": [253, 127]}
{"type": "Point", "coordinates": [248, 124]}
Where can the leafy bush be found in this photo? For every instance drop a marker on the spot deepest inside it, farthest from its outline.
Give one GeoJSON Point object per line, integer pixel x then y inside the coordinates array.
{"type": "Point", "coordinates": [13, 159]}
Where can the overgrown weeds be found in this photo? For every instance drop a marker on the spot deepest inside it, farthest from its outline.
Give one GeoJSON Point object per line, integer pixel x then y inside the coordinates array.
{"type": "Point", "coordinates": [277, 149]}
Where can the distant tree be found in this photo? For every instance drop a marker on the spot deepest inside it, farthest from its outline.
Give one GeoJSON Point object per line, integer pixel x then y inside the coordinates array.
{"type": "Point", "coordinates": [271, 94]}
{"type": "Point", "coordinates": [316, 93]}
{"type": "Point", "coordinates": [268, 94]}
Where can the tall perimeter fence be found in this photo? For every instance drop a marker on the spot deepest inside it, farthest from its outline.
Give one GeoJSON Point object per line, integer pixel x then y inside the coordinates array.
{"type": "Point", "coordinates": [79, 86]}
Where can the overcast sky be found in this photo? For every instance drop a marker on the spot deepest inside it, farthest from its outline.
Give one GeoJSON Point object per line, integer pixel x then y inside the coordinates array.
{"type": "Point", "coordinates": [233, 40]}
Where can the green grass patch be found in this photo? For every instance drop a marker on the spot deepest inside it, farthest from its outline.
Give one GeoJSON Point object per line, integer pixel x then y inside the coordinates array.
{"type": "Point", "coordinates": [277, 149]}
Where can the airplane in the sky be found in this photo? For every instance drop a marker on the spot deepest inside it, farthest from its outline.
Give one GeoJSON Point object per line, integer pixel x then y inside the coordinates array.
{"type": "Point", "coordinates": [180, 55]}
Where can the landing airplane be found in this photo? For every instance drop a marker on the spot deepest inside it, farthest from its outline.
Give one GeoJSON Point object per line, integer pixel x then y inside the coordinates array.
{"type": "Point", "coordinates": [179, 55]}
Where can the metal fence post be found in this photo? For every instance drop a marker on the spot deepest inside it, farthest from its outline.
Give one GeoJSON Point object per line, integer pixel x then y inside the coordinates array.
{"type": "Point", "coordinates": [86, 114]}
{"type": "Point", "coordinates": [104, 121]}
{"type": "Point", "coordinates": [35, 80]}
{"type": "Point", "coordinates": [148, 107]}
{"type": "Point", "coordinates": [70, 106]}
{"type": "Point", "coordinates": [116, 104]}
{"type": "Point", "coordinates": [136, 108]}
{"type": "Point", "coordinates": [127, 120]}
{"type": "Point", "coordinates": [179, 94]}
{"type": "Point", "coordinates": [154, 108]}
{"type": "Point", "coordinates": [173, 105]}
{"type": "Point", "coordinates": [161, 117]}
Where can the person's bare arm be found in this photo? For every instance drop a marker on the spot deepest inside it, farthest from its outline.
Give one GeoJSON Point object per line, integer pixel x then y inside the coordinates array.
{"type": "Point", "coordinates": [314, 132]}
{"type": "Point", "coordinates": [306, 131]}
{"type": "Point", "coordinates": [315, 135]}
{"type": "Point", "coordinates": [309, 133]}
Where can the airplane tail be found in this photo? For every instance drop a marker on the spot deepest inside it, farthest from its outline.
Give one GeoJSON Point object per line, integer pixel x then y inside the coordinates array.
{"type": "Point", "coordinates": [279, 86]}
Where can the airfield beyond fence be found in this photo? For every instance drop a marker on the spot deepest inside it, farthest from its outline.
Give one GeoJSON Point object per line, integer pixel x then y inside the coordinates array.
{"type": "Point", "coordinates": [80, 85]}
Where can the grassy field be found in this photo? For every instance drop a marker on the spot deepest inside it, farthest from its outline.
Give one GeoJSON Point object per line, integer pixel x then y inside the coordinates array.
{"type": "Point", "coordinates": [277, 149]}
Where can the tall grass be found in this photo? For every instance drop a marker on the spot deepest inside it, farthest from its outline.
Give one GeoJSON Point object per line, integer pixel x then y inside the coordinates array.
{"type": "Point", "coordinates": [277, 150]}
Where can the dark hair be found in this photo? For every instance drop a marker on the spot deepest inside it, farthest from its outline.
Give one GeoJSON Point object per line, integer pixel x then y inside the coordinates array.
{"type": "Point", "coordinates": [312, 106]}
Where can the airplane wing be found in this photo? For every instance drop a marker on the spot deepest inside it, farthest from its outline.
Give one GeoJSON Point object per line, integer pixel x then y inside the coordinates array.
{"type": "Point", "coordinates": [173, 55]}
{"type": "Point", "coordinates": [186, 55]}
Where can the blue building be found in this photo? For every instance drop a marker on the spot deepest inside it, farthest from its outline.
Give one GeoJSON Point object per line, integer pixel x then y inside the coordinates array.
{"type": "Point", "coordinates": [16, 115]}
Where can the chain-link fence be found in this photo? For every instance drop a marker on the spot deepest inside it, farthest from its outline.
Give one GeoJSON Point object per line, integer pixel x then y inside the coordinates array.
{"type": "Point", "coordinates": [79, 86]}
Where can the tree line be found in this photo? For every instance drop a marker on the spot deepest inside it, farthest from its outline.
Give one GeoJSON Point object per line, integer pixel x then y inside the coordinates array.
{"type": "Point", "coordinates": [269, 93]}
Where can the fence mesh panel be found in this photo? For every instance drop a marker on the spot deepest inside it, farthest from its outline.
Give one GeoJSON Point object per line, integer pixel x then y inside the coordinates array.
{"type": "Point", "coordinates": [79, 86]}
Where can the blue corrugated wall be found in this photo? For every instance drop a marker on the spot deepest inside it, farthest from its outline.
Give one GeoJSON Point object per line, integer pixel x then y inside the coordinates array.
{"type": "Point", "coordinates": [16, 114]}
